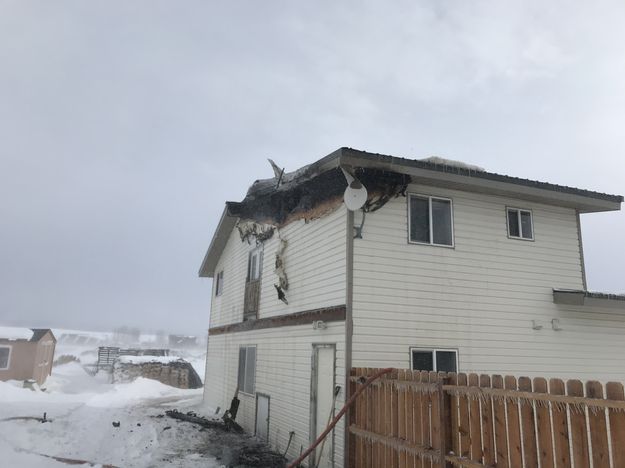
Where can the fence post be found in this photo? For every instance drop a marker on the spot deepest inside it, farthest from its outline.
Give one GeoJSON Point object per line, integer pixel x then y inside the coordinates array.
{"type": "Point", "coordinates": [444, 403]}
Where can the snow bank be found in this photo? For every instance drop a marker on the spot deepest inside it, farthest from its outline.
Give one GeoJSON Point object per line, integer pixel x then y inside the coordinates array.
{"type": "Point", "coordinates": [144, 359]}
{"type": "Point", "coordinates": [131, 393]}
{"type": "Point", "coordinates": [13, 333]}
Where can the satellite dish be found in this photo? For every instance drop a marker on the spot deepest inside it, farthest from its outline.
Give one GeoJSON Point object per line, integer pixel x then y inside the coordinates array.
{"type": "Point", "coordinates": [355, 194]}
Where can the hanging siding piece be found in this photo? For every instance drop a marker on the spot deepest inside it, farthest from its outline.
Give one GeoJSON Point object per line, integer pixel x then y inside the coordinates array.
{"type": "Point", "coordinates": [256, 232]}
{"type": "Point", "coordinates": [283, 281]}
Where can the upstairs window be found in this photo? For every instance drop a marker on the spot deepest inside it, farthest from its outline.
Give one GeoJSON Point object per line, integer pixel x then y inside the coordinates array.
{"type": "Point", "coordinates": [247, 369]}
{"type": "Point", "coordinates": [430, 220]}
{"type": "Point", "coordinates": [254, 265]}
{"type": "Point", "coordinates": [520, 224]}
{"type": "Point", "coordinates": [437, 360]}
{"type": "Point", "coordinates": [219, 283]}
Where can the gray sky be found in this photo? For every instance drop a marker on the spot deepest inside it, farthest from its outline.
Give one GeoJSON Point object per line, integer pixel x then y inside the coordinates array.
{"type": "Point", "coordinates": [125, 125]}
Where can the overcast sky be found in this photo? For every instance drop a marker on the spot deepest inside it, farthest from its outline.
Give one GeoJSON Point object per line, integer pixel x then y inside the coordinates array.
{"type": "Point", "coordinates": [125, 125]}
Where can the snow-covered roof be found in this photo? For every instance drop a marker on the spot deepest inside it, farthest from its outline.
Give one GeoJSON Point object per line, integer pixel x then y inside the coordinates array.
{"type": "Point", "coordinates": [15, 333]}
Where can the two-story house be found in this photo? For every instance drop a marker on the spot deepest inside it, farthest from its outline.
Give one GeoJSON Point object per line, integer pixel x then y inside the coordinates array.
{"type": "Point", "coordinates": [444, 267]}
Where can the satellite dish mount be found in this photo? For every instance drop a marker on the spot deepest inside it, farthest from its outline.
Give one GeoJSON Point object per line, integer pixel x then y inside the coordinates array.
{"type": "Point", "coordinates": [355, 195]}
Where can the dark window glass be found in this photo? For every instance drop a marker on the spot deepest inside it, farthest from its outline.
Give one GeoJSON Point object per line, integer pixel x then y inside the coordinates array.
{"type": "Point", "coordinates": [219, 283]}
{"type": "Point", "coordinates": [241, 379]}
{"type": "Point", "coordinates": [446, 361]}
{"type": "Point", "coordinates": [526, 224]}
{"type": "Point", "coordinates": [441, 221]}
{"type": "Point", "coordinates": [422, 360]}
{"type": "Point", "coordinates": [4, 357]}
{"type": "Point", "coordinates": [419, 219]}
{"type": "Point", "coordinates": [250, 369]}
{"type": "Point", "coordinates": [513, 223]}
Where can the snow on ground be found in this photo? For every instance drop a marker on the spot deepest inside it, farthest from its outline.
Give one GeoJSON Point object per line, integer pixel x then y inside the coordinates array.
{"type": "Point", "coordinates": [82, 410]}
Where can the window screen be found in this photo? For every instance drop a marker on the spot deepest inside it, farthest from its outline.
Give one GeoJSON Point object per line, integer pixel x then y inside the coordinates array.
{"type": "Point", "coordinates": [247, 369]}
{"type": "Point", "coordinates": [430, 220]}
{"type": "Point", "coordinates": [219, 283]}
{"type": "Point", "coordinates": [434, 360]}
{"type": "Point", "coordinates": [520, 224]}
{"type": "Point", "coordinates": [446, 361]}
{"type": "Point", "coordinates": [4, 357]}
{"type": "Point", "coordinates": [422, 360]}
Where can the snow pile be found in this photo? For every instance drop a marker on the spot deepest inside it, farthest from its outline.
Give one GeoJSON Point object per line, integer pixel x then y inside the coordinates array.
{"type": "Point", "coordinates": [127, 394]}
{"type": "Point", "coordinates": [144, 359]}
{"type": "Point", "coordinates": [13, 333]}
{"type": "Point", "coordinates": [453, 163]}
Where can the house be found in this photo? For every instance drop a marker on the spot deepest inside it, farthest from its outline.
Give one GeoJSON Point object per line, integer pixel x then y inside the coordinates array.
{"type": "Point", "coordinates": [26, 353]}
{"type": "Point", "coordinates": [444, 267]}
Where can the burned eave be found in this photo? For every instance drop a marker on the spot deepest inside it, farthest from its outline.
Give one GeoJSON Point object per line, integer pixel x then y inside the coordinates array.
{"type": "Point", "coordinates": [301, 198]}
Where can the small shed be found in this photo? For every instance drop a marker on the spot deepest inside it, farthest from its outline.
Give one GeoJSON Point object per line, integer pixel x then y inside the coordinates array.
{"type": "Point", "coordinates": [26, 353]}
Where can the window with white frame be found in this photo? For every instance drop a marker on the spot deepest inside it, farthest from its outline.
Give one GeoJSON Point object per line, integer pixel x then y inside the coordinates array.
{"type": "Point", "coordinates": [247, 369]}
{"type": "Point", "coordinates": [254, 266]}
{"type": "Point", "coordinates": [438, 360]}
{"type": "Point", "coordinates": [430, 220]}
{"type": "Point", "coordinates": [219, 283]}
{"type": "Point", "coordinates": [520, 224]}
{"type": "Point", "coordinates": [5, 357]}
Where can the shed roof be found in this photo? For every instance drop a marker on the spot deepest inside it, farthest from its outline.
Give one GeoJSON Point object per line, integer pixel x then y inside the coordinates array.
{"type": "Point", "coordinates": [431, 171]}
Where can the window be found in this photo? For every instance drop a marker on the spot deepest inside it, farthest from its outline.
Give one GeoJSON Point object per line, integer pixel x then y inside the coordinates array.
{"type": "Point", "coordinates": [5, 356]}
{"type": "Point", "coordinates": [438, 360]}
{"type": "Point", "coordinates": [254, 266]}
{"type": "Point", "coordinates": [219, 283]}
{"type": "Point", "coordinates": [247, 369]}
{"type": "Point", "coordinates": [430, 220]}
{"type": "Point", "coordinates": [520, 225]}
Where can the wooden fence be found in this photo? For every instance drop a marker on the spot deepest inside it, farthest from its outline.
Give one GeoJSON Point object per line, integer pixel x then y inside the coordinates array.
{"type": "Point", "coordinates": [410, 419]}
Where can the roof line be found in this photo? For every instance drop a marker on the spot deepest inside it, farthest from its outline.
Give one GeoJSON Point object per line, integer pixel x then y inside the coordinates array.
{"type": "Point", "coordinates": [420, 164]}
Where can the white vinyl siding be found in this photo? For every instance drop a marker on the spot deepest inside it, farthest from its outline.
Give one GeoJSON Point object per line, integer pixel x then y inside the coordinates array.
{"type": "Point", "coordinates": [481, 297]}
{"type": "Point", "coordinates": [283, 372]}
{"type": "Point", "coordinates": [314, 262]}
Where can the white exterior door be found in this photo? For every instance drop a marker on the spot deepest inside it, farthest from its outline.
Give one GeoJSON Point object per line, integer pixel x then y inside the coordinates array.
{"type": "Point", "coordinates": [323, 401]}
{"type": "Point", "coordinates": [262, 416]}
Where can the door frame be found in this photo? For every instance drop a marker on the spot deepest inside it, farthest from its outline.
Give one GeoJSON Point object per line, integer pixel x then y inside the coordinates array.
{"type": "Point", "coordinates": [313, 396]}
{"type": "Point", "coordinates": [263, 395]}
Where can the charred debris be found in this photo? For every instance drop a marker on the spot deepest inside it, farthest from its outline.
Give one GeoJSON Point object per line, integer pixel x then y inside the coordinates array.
{"type": "Point", "coordinates": [271, 204]}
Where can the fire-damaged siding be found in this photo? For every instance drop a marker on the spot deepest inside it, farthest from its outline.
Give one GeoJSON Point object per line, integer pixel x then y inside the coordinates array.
{"type": "Point", "coordinates": [481, 296]}
{"type": "Point", "coordinates": [283, 372]}
{"type": "Point", "coordinates": [314, 262]}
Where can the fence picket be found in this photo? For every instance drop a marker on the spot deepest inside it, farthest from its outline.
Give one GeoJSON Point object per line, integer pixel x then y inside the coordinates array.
{"type": "Point", "coordinates": [475, 417]}
{"type": "Point", "coordinates": [528, 426]}
{"type": "Point", "coordinates": [579, 428]}
{"type": "Point", "coordinates": [598, 428]}
{"type": "Point", "coordinates": [543, 426]}
{"type": "Point", "coordinates": [488, 439]}
{"type": "Point", "coordinates": [463, 420]}
{"type": "Point", "coordinates": [482, 421]}
{"type": "Point", "coordinates": [614, 391]}
{"type": "Point", "coordinates": [499, 415]}
{"type": "Point", "coordinates": [560, 426]}
{"type": "Point", "coordinates": [514, 430]}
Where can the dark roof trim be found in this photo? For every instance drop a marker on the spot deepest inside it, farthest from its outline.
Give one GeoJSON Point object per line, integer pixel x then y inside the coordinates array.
{"type": "Point", "coordinates": [39, 333]}
{"type": "Point", "coordinates": [220, 238]}
{"type": "Point", "coordinates": [588, 298]}
{"type": "Point", "coordinates": [420, 164]}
